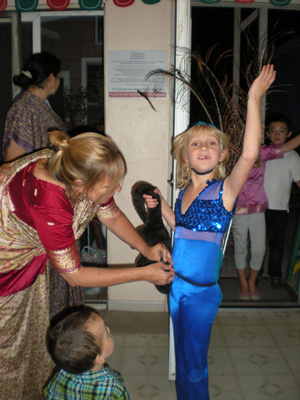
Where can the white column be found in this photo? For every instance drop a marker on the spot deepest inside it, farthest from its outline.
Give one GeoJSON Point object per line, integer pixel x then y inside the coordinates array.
{"type": "Point", "coordinates": [15, 49]}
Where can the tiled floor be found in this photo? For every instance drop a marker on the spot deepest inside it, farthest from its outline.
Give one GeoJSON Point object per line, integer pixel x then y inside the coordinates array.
{"type": "Point", "coordinates": [254, 355]}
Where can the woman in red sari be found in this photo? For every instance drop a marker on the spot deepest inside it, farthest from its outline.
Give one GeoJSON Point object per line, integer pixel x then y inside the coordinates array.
{"type": "Point", "coordinates": [47, 200]}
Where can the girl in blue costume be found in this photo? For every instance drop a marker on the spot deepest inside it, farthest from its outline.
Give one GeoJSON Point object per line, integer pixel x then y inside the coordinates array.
{"type": "Point", "coordinates": [203, 212]}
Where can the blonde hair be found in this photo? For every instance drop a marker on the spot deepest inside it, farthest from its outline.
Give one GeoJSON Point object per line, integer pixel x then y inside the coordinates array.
{"type": "Point", "coordinates": [89, 157]}
{"type": "Point", "coordinates": [179, 152]}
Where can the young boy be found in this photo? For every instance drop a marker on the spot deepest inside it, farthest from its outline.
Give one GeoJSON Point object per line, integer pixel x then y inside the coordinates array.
{"type": "Point", "coordinates": [279, 176]}
{"type": "Point", "coordinates": [79, 345]}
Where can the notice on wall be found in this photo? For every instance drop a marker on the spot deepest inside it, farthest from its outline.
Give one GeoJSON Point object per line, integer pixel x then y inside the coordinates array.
{"type": "Point", "coordinates": [127, 71]}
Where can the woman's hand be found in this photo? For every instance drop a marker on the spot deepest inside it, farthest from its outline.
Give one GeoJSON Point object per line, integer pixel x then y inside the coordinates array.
{"type": "Point", "coordinates": [160, 273]}
{"type": "Point", "coordinates": [159, 252]}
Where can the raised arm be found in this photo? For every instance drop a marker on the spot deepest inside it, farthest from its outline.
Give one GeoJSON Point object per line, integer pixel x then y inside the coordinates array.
{"type": "Point", "coordinates": [252, 139]}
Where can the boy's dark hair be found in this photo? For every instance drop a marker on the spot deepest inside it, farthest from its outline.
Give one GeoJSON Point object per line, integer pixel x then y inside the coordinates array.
{"type": "Point", "coordinates": [71, 346]}
{"type": "Point", "coordinates": [278, 117]}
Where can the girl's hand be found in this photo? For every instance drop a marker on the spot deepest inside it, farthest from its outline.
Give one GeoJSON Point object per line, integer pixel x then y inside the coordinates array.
{"type": "Point", "coordinates": [150, 201]}
{"type": "Point", "coordinates": [262, 82]}
{"type": "Point", "coordinates": [159, 273]}
{"type": "Point", "coordinates": [159, 252]}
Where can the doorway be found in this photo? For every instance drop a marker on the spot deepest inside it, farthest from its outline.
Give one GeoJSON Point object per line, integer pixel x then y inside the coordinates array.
{"type": "Point", "coordinates": [210, 32]}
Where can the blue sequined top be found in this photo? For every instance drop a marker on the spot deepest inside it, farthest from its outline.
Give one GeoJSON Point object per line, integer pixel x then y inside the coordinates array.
{"type": "Point", "coordinates": [199, 232]}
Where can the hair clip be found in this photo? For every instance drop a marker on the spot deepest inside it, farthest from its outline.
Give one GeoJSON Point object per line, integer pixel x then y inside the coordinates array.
{"type": "Point", "coordinates": [27, 73]}
{"type": "Point", "coordinates": [204, 123]}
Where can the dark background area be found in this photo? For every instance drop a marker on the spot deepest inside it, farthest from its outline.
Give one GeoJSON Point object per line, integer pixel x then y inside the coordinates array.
{"type": "Point", "coordinates": [214, 27]}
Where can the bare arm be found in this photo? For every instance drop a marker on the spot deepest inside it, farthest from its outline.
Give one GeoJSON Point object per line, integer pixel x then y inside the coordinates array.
{"type": "Point", "coordinates": [252, 139]}
{"type": "Point", "coordinates": [157, 273]}
{"type": "Point", "coordinates": [291, 144]}
{"type": "Point", "coordinates": [14, 151]}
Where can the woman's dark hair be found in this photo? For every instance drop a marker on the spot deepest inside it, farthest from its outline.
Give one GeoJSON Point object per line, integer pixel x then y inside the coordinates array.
{"type": "Point", "coordinates": [36, 69]}
{"type": "Point", "coordinates": [71, 346]}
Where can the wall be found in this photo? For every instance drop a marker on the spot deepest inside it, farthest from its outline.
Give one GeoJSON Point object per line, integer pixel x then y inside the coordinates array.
{"type": "Point", "coordinates": [142, 134]}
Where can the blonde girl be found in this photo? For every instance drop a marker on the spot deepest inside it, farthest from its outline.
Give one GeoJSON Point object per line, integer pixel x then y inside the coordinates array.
{"type": "Point", "coordinates": [203, 211]}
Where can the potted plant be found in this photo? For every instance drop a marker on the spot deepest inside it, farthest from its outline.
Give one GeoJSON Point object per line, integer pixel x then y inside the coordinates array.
{"type": "Point", "coordinates": [75, 105]}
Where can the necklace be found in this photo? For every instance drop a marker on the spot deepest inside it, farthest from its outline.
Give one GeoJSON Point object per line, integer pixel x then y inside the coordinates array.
{"type": "Point", "coordinates": [202, 173]}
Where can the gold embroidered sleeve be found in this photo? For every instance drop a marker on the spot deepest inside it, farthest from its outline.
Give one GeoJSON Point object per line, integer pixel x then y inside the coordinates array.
{"type": "Point", "coordinates": [66, 260]}
{"type": "Point", "coordinates": [107, 210]}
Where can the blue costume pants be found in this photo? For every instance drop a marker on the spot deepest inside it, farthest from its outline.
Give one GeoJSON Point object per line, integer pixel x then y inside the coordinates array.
{"type": "Point", "coordinates": [193, 310]}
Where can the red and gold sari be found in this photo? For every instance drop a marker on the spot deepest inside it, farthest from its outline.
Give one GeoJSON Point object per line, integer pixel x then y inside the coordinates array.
{"type": "Point", "coordinates": [37, 223]}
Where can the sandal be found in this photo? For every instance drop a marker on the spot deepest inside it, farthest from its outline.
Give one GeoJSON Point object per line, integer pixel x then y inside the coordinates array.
{"type": "Point", "coordinates": [244, 296]}
{"type": "Point", "coordinates": [276, 283]}
{"type": "Point", "coordinates": [255, 296]}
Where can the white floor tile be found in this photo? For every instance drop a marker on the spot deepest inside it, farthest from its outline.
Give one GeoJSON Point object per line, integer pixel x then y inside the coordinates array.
{"type": "Point", "coordinates": [144, 360]}
{"type": "Point", "coordinates": [252, 356]}
{"type": "Point", "coordinates": [224, 387]}
{"type": "Point", "coordinates": [217, 338]}
{"type": "Point", "coordinates": [119, 340]}
{"type": "Point", "coordinates": [240, 319]}
{"type": "Point", "coordinates": [247, 336]}
{"type": "Point", "coordinates": [283, 318]}
{"type": "Point", "coordinates": [155, 387]}
{"type": "Point", "coordinates": [219, 362]}
{"type": "Point", "coordinates": [167, 389]}
{"type": "Point", "coordinates": [145, 340]}
{"type": "Point", "coordinates": [114, 360]}
{"type": "Point", "coordinates": [265, 360]}
{"type": "Point", "coordinates": [292, 357]}
{"type": "Point", "coordinates": [285, 335]}
{"type": "Point", "coordinates": [269, 387]}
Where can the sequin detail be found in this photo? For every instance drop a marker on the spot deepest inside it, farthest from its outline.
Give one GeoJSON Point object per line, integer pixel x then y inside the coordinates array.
{"type": "Point", "coordinates": [204, 214]}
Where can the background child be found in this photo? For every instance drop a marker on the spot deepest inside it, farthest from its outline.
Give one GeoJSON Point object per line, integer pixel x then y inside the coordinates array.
{"type": "Point", "coordinates": [249, 218]}
{"type": "Point", "coordinates": [203, 212]}
{"type": "Point", "coordinates": [279, 176]}
{"type": "Point", "coordinates": [79, 345]}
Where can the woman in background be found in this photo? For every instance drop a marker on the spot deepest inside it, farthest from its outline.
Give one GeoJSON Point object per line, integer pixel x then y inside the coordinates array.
{"type": "Point", "coordinates": [30, 116]}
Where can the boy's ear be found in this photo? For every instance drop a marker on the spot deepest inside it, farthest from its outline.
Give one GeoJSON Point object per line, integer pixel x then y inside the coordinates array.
{"type": "Point", "coordinates": [289, 134]}
{"type": "Point", "coordinates": [99, 360]}
{"type": "Point", "coordinates": [267, 133]}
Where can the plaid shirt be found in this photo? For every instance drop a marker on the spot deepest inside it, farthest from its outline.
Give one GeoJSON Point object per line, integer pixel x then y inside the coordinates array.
{"type": "Point", "coordinates": [91, 385]}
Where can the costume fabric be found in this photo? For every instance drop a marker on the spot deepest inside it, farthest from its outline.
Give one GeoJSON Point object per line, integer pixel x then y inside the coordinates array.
{"type": "Point", "coordinates": [37, 223]}
{"type": "Point", "coordinates": [27, 122]}
{"type": "Point", "coordinates": [197, 256]}
{"type": "Point", "coordinates": [279, 177]}
{"type": "Point", "coordinates": [249, 218]}
{"type": "Point", "coordinates": [92, 385]}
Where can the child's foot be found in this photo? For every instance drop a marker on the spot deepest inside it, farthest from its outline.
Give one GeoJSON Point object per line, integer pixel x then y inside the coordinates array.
{"type": "Point", "coordinates": [255, 296]}
{"type": "Point", "coordinates": [244, 294]}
